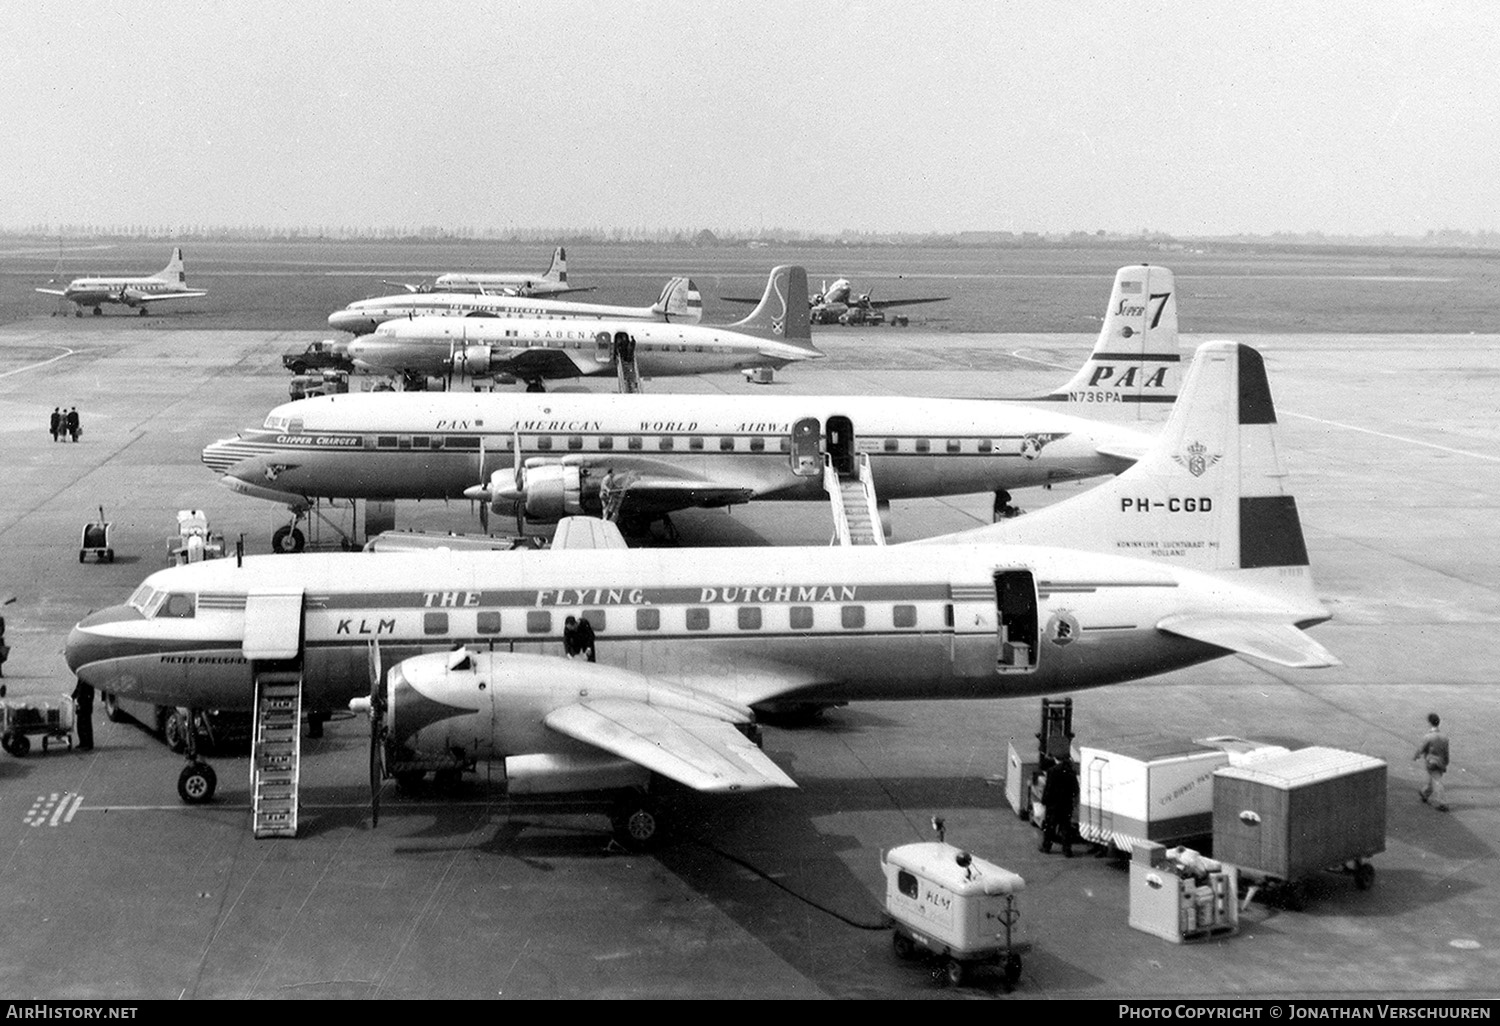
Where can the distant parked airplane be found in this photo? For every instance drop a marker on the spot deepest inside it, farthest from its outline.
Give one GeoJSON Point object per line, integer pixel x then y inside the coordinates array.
{"type": "Point", "coordinates": [837, 304]}
{"type": "Point", "coordinates": [551, 282]}
{"type": "Point", "coordinates": [168, 283]}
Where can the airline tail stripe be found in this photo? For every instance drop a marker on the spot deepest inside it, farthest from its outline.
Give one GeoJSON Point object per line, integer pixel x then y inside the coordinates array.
{"type": "Point", "coordinates": [1138, 357]}
{"type": "Point", "coordinates": [1270, 532]}
{"type": "Point", "coordinates": [1256, 406]}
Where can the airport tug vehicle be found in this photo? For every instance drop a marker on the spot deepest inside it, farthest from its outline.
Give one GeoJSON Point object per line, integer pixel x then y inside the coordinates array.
{"type": "Point", "coordinates": [953, 907]}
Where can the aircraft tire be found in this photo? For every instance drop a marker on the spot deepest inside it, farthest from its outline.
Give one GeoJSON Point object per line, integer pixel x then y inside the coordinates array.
{"type": "Point", "coordinates": [196, 783]}
{"type": "Point", "coordinates": [637, 824]}
{"type": "Point", "coordinates": [288, 539]}
{"type": "Point", "coordinates": [174, 732]}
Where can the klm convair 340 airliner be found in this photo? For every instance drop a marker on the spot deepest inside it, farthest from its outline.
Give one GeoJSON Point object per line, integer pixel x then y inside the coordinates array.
{"type": "Point", "coordinates": [679, 302]}
{"type": "Point", "coordinates": [168, 283]}
{"type": "Point", "coordinates": [534, 350]}
{"type": "Point", "coordinates": [1193, 553]}
{"type": "Point", "coordinates": [635, 457]}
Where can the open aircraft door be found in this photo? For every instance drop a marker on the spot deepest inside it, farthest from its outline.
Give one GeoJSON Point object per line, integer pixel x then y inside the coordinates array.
{"type": "Point", "coordinates": [273, 625]}
{"type": "Point", "coordinates": [807, 447]}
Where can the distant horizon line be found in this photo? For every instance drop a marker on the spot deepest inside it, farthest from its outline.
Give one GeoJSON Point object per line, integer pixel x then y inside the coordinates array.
{"type": "Point", "coordinates": [729, 237]}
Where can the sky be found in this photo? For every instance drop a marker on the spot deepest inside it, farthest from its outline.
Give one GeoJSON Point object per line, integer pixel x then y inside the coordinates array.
{"type": "Point", "coordinates": [1340, 116]}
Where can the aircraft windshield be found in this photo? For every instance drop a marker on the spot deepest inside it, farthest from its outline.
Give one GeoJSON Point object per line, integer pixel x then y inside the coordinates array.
{"type": "Point", "coordinates": [141, 598]}
{"type": "Point", "coordinates": [178, 606]}
{"type": "Point", "coordinates": [275, 423]}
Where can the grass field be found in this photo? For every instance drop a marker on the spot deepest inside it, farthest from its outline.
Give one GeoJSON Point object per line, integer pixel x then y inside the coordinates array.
{"type": "Point", "coordinates": [294, 286]}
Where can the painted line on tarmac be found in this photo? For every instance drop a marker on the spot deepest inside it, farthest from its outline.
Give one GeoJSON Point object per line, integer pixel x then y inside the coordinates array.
{"type": "Point", "coordinates": [1397, 438]}
{"type": "Point", "coordinates": [66, 352]}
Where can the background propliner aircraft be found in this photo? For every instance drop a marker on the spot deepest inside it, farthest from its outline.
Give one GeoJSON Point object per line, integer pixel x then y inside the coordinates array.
{"type": "Point", "coordinates": [839, 304]}
{"type": "Point", "coordinates": [168, 283]}
{"type": "Point", "coordinates": [537, 351]}
{"type": "Point", "coordinates": [1194, 553]}
{"type": "Point", "coordinates": [679, 302]}
{"type": "Point", "coordinates": [551, 282]}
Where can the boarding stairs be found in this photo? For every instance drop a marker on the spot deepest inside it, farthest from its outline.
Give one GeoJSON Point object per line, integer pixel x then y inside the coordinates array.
{"type": "Point", "coordinates": [625, 366]}
{"type": "Point", "coordinates": [275, 748]}
{"type": "Point", "coordinates": [856, 515]}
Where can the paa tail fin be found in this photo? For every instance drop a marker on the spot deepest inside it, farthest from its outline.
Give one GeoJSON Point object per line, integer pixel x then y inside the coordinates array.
{"type": "Point", "coordinates": [175, 272]}
{"type": "Point", "coordinates": [679, 301]}
{"type": "Point", "coordinates": [781, 313]}
{"type": "Point", "coordinates": [1135, 369]}
{"type": "Point", "coordinates": [558, 270]}
{"type": "Point", "coordinates": [1209, 495]}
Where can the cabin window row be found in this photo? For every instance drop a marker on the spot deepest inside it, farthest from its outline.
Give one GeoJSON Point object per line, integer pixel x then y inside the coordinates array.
{"type": "Point", "coordinates": [648, 619]}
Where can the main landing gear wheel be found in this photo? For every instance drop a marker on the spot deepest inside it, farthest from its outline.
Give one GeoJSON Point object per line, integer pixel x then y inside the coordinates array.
{"type": "Point", "coordinates": [288, 539]}
{"type": "Point", "coordinates": [174, 732]}
{"type": "Point", "coordinates": [197, 783]}
{"type": "Point", "coordinates": [112, 708]}
{"type": "Point", "coordinates": [636, 823]}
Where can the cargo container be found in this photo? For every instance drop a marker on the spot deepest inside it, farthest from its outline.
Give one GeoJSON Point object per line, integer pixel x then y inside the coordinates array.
{"type": "Point", "coordinates": [1146, 788]}
{"type": "Point", "coordinates": [1282, 819]}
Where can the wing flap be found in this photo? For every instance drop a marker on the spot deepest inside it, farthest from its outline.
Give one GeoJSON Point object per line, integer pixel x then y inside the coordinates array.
{"type": "Point", "coordinates": [701, 751]}
{"type": "Point", "coordinates": [1276, 642]}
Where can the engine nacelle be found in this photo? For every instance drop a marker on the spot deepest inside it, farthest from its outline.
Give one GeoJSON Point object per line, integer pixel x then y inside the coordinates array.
{"type": "Point", "coordinates": [472, 360]}
{"type": "Point", "coordinates": [130, 297]}
{"type": "Point", "coordinates": [551, 491]}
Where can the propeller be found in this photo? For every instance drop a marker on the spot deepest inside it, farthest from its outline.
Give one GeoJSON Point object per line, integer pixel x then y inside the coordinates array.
{"type": "Point", "coordinates": [375, 706]}
{"type": "Point", "coordinates": [520, 483]}
{"type": "Point", "coordinates": [484, 504]}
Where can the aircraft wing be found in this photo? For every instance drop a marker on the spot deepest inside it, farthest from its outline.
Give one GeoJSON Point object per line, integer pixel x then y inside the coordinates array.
{"type": "Point", "coordinates": [882, 304]}
{"type": "Point", "coordinates": [168, 295]}
{"type": "Point", "coordinates": [53, 292]}
{"type": "Point", "coordinates": [1274, 641]}
{"type": "Point", "coordinates": [699, 749]}
{"type": "Point", "coordinates": [551, 363]}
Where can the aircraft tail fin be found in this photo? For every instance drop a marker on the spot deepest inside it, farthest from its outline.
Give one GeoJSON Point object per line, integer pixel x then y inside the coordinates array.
{"type": "Point", "coordinates": [1210, 494]}
{"type": "Point", "coordinates": [558, 270]}
{"type": "Point", "coordinates": [1135, 368]}
{"type": "Point", "coordinates": [781, 313]}
{"type": "Point", "coordinates": [175, 272]}
{"type": "Point", "coordinates": [680, 302]}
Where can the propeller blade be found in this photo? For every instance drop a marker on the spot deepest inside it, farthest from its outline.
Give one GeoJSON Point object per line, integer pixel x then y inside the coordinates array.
{"type": "Point", "coordinates": [377, 733]}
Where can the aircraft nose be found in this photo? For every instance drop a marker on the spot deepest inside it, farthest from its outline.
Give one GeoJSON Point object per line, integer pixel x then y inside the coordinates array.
{"type": "Point", "coordinates": [226, 452]}
{"type": "Point", "coordinates": [356, 321]}
{"type": "Point", "coordinates": [89, 645]}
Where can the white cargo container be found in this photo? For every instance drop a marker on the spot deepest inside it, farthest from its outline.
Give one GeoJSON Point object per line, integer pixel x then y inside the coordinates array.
{"type": "Point", "coordinates": [1147, 788]}
{"type": "Point", "coordinates": [953, 905]}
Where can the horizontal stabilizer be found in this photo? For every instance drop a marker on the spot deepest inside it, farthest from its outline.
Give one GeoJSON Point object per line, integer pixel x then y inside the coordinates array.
{"type": "Point", "coordinates": [1276, 642]}
{"type": "Point", "coordinates": [699, 750]}
{"type": "Point", "coordinates": [587, 533]}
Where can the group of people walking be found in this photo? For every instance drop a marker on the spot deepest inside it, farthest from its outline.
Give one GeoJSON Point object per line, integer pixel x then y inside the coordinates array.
{"type": "Point", "coordinates": [65, 423]}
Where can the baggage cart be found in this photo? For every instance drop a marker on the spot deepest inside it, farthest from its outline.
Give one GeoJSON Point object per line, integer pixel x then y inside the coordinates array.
{"type": "Point", "coordinates": [21, 719]}
{"type": "Point", "coordinates": [1180, 896]}
{"type": "Point", "coordinates": [957, 909]}
{"type": "Point", "coordinates": [96, 540]}
{"type": "Point", "coordinates": [1282, 820]}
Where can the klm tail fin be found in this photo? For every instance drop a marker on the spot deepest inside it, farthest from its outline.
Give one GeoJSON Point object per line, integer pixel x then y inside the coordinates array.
{"type": "Point", "coordinates": [175, 272]}
{"type": "Point", "coordinates": [1136, 365]}
{"type": "Point", "coordinates": [558, 270]}
{"type": "Point", "coordinates": [679, 301]}
{"type": "Point", "coordinates": [782, 311]}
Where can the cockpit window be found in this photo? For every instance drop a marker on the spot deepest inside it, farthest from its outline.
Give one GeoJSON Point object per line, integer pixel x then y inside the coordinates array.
{"type": "Point", "coordinates": [141, 597]}
{"type": "Point", "coordinates": [179, 606]}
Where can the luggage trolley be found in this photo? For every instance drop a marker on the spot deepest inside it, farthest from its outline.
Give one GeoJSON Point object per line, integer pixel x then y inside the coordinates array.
{"type": "Point", "coordinates": [23, 718]}
{"type": "Point", "coordinates": [96, 540]}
